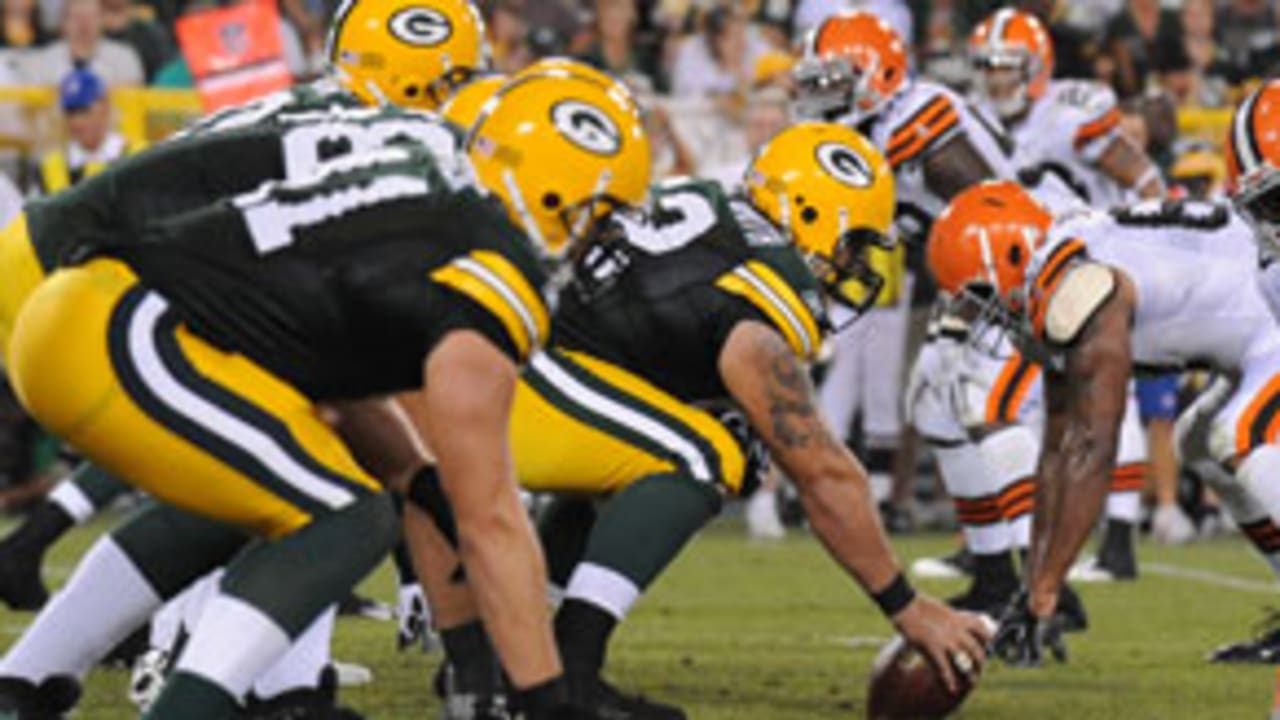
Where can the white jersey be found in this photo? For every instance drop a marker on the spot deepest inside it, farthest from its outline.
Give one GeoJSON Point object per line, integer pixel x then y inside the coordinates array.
{"type": "Point", "coordinates": [1060, 141]}
{"type": "Point", "coordinates": [916, 122]}
{"type": "Point", "coordinates": [1193, 266]}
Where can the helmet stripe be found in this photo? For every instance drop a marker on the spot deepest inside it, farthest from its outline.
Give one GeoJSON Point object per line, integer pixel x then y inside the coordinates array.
{"type": "Point", "coordinates": [1248, 154]}
{"type": "Point", "coordinates": [335, 28]}
{"type": "Point", "coordinates": [1000, 26]}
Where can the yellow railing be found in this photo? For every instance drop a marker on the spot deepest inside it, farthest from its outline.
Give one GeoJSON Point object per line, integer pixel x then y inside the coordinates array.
{"type": "Point", "coordinates": [142, 114]}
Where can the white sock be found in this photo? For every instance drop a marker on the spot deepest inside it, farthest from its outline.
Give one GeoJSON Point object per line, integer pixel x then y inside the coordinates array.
{"type": "Point", "coordinates": [881, 486]}
{"type": "Point", "coordinates": [106, 599]}
{"type": "Point", "coordinates": [302, 664]}
{"type": "Point", "coordinates": [233, 645]}
{"type": "Point", "coordinates": [603, 587]}
{"type": "Point", "coordinates": [1124, 502]}
{"type": "Point", "coordinates": [969, 482]}
{"type": "Point", "coordinates": [72, 501]}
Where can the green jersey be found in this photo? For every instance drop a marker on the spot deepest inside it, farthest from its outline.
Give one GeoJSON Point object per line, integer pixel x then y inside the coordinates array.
{"type": "Point", "coordinates": [659, 296]}
{"type": "Point", "coordinates": [215, 161]}
{"type": "Point", "coordinates": [343, 282]}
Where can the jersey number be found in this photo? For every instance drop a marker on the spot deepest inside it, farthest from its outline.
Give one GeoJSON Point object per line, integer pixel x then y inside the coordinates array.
{"type": "Point", "coordinates": [276, 212]}
{"type": "Point", "coordinates": [1173, 214]}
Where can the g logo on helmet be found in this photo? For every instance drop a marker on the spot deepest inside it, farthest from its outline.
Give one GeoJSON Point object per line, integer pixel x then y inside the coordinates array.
{"type": "Point", "coordinates": [587, 126]}
{"type": "Point", "coordinates": [845, 165]}
{"type": "Point", "coordinates": [420, 26]}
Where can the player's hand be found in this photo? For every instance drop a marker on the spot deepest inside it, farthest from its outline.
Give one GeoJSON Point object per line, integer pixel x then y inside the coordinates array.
{"type": "Point", "coordinates": [954, 641]}
{"type": "Point", "coordinates": [411, 618]}
{"type": "Point", "coordinates": [1023, 637]}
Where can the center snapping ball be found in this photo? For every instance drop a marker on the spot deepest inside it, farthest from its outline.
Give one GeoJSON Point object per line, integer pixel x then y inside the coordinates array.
{"type": "Point", "coordinates": [905, 686]}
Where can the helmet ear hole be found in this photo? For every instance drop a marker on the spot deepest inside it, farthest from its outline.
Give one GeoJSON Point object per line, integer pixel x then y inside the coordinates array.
{"type": "Point", "coordinates": [809, 215]}
{"type": "Point", "coordinates": [1015, 255]}
{"type": "Point", "coordinates": [551, 201]}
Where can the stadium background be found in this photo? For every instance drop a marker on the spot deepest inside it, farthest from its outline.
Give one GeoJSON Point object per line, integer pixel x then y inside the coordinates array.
{"type": "Point", "coordinates": [714, 79]}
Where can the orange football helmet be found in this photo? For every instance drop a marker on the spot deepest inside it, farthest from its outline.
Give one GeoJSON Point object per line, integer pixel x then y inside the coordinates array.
{"type": "Point", "coordinates": [1253, 161]}
{"type": "Point", "coordinates": [853, 65]}
{"type": "Point", "coordinates": [980, 246]}
{"type": "Point", "coordinates": [1012, 56]}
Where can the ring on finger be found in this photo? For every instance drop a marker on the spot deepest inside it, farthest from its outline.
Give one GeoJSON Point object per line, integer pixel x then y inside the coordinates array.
{"type": "Point", "coordinates": [962, 661]}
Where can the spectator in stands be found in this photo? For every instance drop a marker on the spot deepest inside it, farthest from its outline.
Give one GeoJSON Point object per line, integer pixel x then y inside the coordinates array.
{"type": "Point", "coordinates": [721, 59]}
{"type": "Point", "coordinates": [614, 46]}
{"type": "Point", "coordinates": [1209, 60]}
{"type": "Point", "coordinates": [510, 34]}
{"type": "Point", "coordinates": [1130, 42]}
{"type": "Point", "coordinates": [22, 28]}
{"type": "Point", "coordinates": [1073, 48]}
{"type": "Point", "coordinates": [83, 44]}
{"type": "Point", "coordinates": [136, 26]}
{"type": "Point", "coordinates": [1247, 30]}
{"type": "Point", "coordinates": [91, 143]}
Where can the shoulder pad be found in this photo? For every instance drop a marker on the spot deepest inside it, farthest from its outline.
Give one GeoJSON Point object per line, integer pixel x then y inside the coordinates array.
{"type": "Point", "coordinates": [1079, 295]}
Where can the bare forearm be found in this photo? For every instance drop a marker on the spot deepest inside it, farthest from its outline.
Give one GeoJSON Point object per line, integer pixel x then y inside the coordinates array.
{"type": "Point", "coordinates": [843, 516]}
{"type": "Point", "coordinates": [1074, 478]}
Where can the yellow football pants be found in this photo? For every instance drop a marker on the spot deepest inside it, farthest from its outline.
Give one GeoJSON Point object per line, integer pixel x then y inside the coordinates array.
{"type": "Point", "coordinates": [582, 425]}
{"type": "Point", "coordinates": [105, 364]}
{"type": "Point", "coordinates": [20, 273]}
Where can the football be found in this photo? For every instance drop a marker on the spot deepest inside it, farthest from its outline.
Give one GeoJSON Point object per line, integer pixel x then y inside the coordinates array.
{"type": "Point", "coordinates": [904, 685]}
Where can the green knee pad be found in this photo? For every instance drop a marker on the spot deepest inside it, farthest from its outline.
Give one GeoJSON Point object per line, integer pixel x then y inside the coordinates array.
{"type": "Point", "coordinates": [642, 528]}
{"type": "Point", "coordinates": [173, 548]}
{"type": "Point", "coordinates": [295, 577]}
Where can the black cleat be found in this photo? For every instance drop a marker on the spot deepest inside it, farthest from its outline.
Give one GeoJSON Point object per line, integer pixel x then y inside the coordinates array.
{"type": "Point", "coordinates": [1071, 611]}
{"type": "Point", "coordinates": [601, 700]}
{"type": "Point", "coordinates": [354, 605]}
{"type": "Point", "coordinates": [21, 586]}
{"type": "Point", "coordinates": [461, 705]}
{"type": "Point", "coordinates": [896, 520]}
{"type": "Point", "coordinates": [986, 599]}
{"type": "Point", "coordinates": [317, 703]}
{"type": "Point", "coordinates": [52, 699]}
{"type": "Point", "coordinates": [1262, 649]}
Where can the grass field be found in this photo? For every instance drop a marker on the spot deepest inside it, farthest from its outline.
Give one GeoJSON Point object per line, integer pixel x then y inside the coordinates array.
{"type": "Point", "coordinates": [774, 632]}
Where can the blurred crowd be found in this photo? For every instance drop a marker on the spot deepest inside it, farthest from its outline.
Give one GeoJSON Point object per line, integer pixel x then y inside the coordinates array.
{"type": "Point", "coordinates": [716, 72]}
{"type": "Point", "coordinates": [714, 75]}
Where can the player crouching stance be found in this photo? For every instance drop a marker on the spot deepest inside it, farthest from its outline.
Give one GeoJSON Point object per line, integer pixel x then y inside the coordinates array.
{"type": "Point", "coordinates": [712, 298]}
{"type": "Point", "coordinates": [1091, 295]}
{"type": "Point", "coordinates": [192, 365]}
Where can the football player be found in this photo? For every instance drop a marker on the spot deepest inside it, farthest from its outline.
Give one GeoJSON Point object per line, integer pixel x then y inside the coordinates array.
{"type": "Point", "coordinates": [855, 72]}
{"type": "Point", "coordinates": [711, 298]}
{"type": "Point", "coordinates": [390, 270]}
{"type": "Point", "coordinates": [1069, 149]}
{"type": "Point", "coordinates": [1082, 295]}
{"type": "Point", "coordinates": [1253, 180]}
{"type": "Point", "coordinates": [380, 51]}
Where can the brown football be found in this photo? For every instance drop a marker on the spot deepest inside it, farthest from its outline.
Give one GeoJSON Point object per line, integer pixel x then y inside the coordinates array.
{"type": "Point", "coordinates": [905, 686]}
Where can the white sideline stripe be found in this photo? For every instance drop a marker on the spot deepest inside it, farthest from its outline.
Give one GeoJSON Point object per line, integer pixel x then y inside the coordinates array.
{"type": "Point", "coordinates": [1211, 577]}
{"type": "Point", "coordinates": [861, 641]}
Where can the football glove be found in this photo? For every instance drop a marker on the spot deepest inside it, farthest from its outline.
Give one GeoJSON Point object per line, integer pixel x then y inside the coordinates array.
{"type": "Point", "coordinates": [1022, 638]}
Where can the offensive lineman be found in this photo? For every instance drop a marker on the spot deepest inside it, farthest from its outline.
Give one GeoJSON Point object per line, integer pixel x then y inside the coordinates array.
{"type": "Point", "coordinates": [1088, 294]}
{"type": "Point", "coordinates": [284, 232]}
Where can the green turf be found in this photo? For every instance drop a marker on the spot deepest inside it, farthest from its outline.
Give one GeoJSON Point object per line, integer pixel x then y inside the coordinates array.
{"type": "Point", "coordinates": [741, 630]}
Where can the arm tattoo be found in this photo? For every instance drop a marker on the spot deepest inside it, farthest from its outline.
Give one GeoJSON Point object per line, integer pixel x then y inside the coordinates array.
{"type": "Point", "coordinates": [796, 423]}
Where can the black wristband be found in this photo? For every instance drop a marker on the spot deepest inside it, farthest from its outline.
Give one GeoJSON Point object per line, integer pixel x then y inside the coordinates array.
{"type": "Point", "coordinates": [896, 596]}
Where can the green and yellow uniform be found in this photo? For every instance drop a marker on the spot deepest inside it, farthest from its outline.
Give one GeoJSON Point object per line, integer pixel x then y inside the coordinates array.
{"type": "Point", "coordinates": [636, 340]}
{"type": "Point", "coordinates": [227, 154]}
{"type": "Point", "coordinates": [209, 342]}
